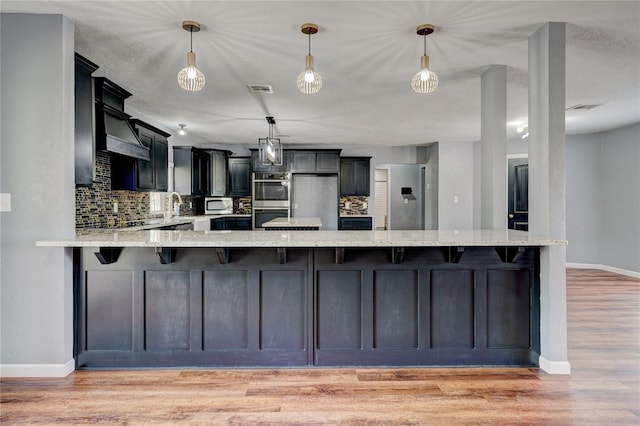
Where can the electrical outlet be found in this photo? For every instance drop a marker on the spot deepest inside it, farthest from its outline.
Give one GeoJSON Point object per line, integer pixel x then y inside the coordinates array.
{"type": "Point", "coordinates": [115, 207]}
{"type": "Point", "coordinates": [365, 205]}
{"type": "Point", "coordinates": [456, 200]}
{"type": "Point", "coordinates": [5, 202]}
{"type": "Point", "coordinates": [241, 205]}
{"type": "Point", "coordinates": [347, 205]}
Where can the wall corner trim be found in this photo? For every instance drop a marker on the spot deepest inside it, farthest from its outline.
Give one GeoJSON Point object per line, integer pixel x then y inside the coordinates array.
{"type": "Point", "coordinates": [605, 268]}
{"type": "Point", "coordinates": [38, 370]}
{"type": "Point", "coordinates": [554, 367]}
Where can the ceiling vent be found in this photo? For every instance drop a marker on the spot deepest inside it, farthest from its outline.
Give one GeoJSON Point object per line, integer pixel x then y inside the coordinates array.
{"type": "Point", "coordinates": [262, 89]}
{"type": "Point", "coordinates": [580, 107]}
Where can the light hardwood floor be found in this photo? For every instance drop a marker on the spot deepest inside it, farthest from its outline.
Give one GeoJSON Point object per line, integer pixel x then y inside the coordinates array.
{"type": "Point", "coordinates": [604, 387]}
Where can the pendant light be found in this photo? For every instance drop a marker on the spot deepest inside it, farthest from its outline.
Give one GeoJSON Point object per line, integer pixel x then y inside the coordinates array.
{"type": "Point", "coordinates": [425, 81]}
{"type": "Point", "coordinates": [191, 78]}
{"type": "Point", "coordinates": [309, 81]}
{"type": "Point", "coordinates": [270, 148]}
{"type": "Point", "coordinates": [181, 130]}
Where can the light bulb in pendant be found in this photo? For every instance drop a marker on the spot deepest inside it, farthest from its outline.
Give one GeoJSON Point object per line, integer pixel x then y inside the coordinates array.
{"type": "Point", "coordinates": [425, 80]}
{"type": "Point", "coordinates": [309, 81]}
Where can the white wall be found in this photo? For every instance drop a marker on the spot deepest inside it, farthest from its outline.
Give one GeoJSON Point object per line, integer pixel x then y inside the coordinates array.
{"type": "Point", "coordinates": [36, 158]}
{"type": "Point", "coordinates": [582, 162]}
{"type": "Point", "coordinates": [456, 179]}
{"type": "Point", "coordinates": [620, 198]}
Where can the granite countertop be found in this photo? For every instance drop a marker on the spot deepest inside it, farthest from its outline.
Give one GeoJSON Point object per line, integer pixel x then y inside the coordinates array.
{"type": "Point", "coordinates": [180, 220]}
{"type": "Point", "coordinates": [355, 215]}
{"type": "Point", "coordinates": [411, 238]}
{"type": "Point", "coordinates": [294, 222]}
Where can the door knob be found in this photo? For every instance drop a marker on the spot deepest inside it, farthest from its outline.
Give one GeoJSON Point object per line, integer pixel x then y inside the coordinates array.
{"type": "Point", "coordinates": [510, 215]}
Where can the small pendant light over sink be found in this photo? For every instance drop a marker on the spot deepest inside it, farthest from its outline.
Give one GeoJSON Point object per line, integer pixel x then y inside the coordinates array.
{"type": "Point", "coordinates": [425, 81]}
{"type": "Point", "coordinates": [191, 78]}
{"type": "Point", "coordinates": [309, 81]}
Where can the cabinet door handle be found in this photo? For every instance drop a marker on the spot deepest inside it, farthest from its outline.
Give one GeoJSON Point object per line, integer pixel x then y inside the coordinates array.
{"type": "Point", "coordinates": [510, 215]}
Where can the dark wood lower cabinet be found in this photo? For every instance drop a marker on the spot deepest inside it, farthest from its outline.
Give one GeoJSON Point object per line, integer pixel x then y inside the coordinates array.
{"type": "Point", "coordinates": [308, 311]}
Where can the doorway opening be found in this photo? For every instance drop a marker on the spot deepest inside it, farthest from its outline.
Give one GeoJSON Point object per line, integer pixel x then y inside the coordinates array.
{"type": "Point", "coordinates": [381, 208]}
{"type": "Point", "coordinates": [518, 192]}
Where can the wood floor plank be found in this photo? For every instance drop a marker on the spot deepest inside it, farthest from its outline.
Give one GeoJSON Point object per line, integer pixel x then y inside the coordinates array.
{"type": "Point", "coordinates": [604, 387]}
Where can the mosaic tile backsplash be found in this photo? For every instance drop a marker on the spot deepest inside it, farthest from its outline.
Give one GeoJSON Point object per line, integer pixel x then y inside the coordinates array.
{"type": "Point", "coordinates": [356, 205]}
{"type": "Point", "coordinates": [94, 206]}
{"type": "Point", "coordinates": [242, 205]}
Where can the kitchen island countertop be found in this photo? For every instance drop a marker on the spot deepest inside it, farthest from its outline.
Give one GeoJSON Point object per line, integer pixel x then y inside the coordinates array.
{"type": "Point", "coordinates": [409, 238]}
{"type": "Point", "coordinates": [294, 223]}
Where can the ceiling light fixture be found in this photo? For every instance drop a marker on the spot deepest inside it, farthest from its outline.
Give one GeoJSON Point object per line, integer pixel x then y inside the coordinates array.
{"type": "Point", "coordinates": [191, 78]}
{"type": "Point", "coordinates": [181, 130]}
{"type": "Point", "coordinates": [309, 81]}
{"type": "Point", "coordinates": [270, 148]}
{"type": "Point", "coordinates": [425, 81]}
{"type": "Point", "coordinates": [523, 130]}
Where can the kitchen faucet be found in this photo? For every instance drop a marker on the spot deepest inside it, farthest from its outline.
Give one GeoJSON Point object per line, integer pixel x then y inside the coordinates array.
{"type": "Point", "coordinates": [168, 214]}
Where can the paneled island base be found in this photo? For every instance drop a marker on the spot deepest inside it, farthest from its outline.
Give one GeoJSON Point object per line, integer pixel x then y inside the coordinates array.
{"type": "Point", "coordinates": [307, 306]}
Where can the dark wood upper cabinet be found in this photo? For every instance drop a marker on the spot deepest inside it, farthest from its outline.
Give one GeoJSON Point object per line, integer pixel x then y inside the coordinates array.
{"type": "Point", "coordinates": [355, 176]}
{"type": "Point", "coordinates": [218, 172]}
{"type": "Point", "coordinates": [192, 170]}
{"type": "Point", "coordinates": [303, 161]}
{"type": "Point", "coordinates": [315, 161]}
{"type": "Point", "coordinates": [328, 161]}
{"type": "Point", "coordinates": [143, 175]}
{"type": "Point", "coordinates": [84, 136]}
{"type": "Point", "coordinates": [239, 176]}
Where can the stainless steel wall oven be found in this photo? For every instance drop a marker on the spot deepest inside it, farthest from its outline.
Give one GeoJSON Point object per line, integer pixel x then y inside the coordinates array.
{"type": "Point", "coordinates": [271, 193]}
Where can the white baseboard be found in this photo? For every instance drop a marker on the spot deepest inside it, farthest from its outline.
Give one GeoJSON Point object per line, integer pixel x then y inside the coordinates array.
{"type": "Point", "coordinates": [606, 268]}
{"type": "Point", "coordinates": [554, 367]}
{"type": "Point", "coordinates": [37, 370]}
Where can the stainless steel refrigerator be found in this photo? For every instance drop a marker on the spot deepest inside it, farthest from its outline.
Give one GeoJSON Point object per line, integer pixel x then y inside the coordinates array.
{"type": "Point", "coordinates": [316, 196]}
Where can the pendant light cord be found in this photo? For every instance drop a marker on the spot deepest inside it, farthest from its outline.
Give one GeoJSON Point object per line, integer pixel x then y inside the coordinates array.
{"type": "Point", "coordinates": [424, 36]}
{"type": "Point", "coordinates": [191, 32]}
{"type": "Point", "coordinates": [309, 34]}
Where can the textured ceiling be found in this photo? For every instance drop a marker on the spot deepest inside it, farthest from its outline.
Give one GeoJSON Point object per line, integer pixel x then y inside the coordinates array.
{"type": "Point", "coordinates": [366, 52]}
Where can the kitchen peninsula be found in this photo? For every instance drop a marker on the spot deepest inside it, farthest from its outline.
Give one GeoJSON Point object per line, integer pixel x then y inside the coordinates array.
{"type": "Point", "coordinates": [158, 298]}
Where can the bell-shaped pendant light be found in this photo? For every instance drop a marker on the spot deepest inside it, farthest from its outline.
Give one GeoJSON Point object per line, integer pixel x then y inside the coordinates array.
{"type": "Point", "coordinates": [190, 77]}
{"type": "Point", "coordinates": [309, 81]}
{"type": "Point", "coordinates": [270, 148]}
{"type": "Point", "coordinates": [425, 81]}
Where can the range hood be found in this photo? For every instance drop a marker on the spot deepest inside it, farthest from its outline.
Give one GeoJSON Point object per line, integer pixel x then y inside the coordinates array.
{"type": "Point", "coordinates": [114, 132]}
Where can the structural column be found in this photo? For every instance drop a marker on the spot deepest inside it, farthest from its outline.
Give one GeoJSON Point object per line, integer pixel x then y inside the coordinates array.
{"type": "Point", "coordinates": [547, 187]}
{"type": "Point", "coordinates": [493, 183]}
{"type": "Point", "coordinates": [37, 169]}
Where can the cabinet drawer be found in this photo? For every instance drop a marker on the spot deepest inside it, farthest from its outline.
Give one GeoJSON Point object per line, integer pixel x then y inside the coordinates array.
{"type": "Point", "coordinates": [355, 223]}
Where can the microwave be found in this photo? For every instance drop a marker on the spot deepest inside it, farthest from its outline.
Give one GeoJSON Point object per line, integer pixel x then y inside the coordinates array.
{"type": "Point", "coordinates": [218, 205]}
